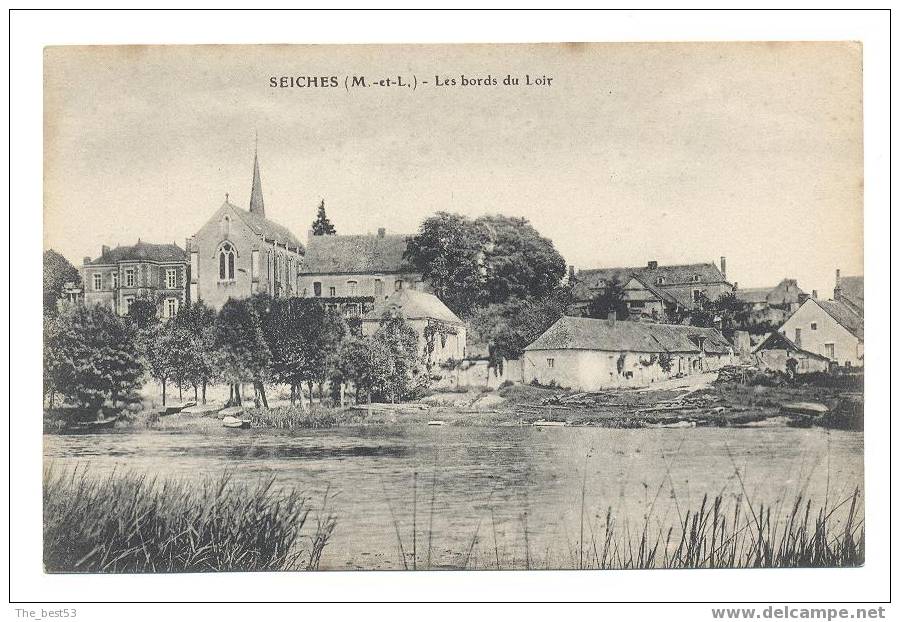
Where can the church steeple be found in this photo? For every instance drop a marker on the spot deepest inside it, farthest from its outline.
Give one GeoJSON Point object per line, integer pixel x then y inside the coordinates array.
{"type": "Point", "coordinates": [256, 196]}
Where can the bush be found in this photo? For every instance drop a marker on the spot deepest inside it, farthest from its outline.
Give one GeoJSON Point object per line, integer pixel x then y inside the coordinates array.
{"type": "Point", "coordinates": [127, 523]}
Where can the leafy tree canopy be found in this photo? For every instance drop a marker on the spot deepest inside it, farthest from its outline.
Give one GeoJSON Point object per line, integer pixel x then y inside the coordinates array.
{"type": "Point", "coordinates": [57, 272]}
{"type": "Point", "coordinates": [610, 299]}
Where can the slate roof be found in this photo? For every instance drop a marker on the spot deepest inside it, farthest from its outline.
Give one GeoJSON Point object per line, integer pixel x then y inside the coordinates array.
{"type": "Point", "coordinates": [852, 287]}
{"type": "Point", "coordinates": [777, 341]}
{"type": "Point", "coordinates": [681, 274]}
{"type": "Point", "coordinates": [142, 251]}
{"type": "Point", "coordinates": [414, 305]}
{"type": "Point", "coordinates": [661, 294]}
{"type": "Point", "coordinates": [843, 315]}
{"type": "Point", "coordinates": [356, 254]}
{"type": "Point", "coordinates": [269, 229]}
{"type": "Point", "coordinates": [579, 333]}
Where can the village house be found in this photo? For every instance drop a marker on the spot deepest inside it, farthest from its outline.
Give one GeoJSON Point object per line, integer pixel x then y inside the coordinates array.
{"type": "Point", "coordinates": [776, 353]}
{"type": "Point", "coordinates": [353, 273]}
{"type": "Point", "coordinates": [831, 328]}
{"type": "Point", "coordinates": [156, 272]}
{"type": "Point", "coordinates": [238, 253]}
{"type": "Point", "coordinates": [652, 291]}
{"type": "Point", "coordinates": [772, 304]}
{"type": "Point", "coordinates": [432, 320]}
{"type": "Point", "coordinates": [590, 354]}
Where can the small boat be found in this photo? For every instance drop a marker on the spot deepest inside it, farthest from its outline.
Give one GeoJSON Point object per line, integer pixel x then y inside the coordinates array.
{"type": "Point", "coordinates": [678, 424]}
{"type": "Point", "coordinates": [435, 422]}
{"type": "Point", "coordinates": [805, 408]}
{"type": "Point", "coordinates": [231, 411]}
{"type": "Point", "coordinates": [234, 422]}
{"type": "Point", "coordinates": [543, 423]}
{"type": "Point", "coordinates": [98, 424]}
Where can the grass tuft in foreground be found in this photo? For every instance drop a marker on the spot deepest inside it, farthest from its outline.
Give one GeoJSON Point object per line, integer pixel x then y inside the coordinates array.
{"type": "Point", "coordinates": [128, 523]}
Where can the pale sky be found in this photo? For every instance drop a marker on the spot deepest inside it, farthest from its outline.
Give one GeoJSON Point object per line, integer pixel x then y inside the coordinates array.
{"type": "Point", "coordinates": [679, 153]}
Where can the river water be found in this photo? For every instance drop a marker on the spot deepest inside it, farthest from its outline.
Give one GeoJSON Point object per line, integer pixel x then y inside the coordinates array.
{"type": "Point", "coordinates": [485, 494]}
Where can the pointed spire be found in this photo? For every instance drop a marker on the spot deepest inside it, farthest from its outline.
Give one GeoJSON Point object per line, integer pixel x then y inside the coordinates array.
{"type": "Point", "coordinates": [256, 197]}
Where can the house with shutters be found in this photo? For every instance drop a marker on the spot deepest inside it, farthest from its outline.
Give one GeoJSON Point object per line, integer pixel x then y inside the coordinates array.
{"type": "Point", "coordinates": [353, 273]}
{"type": "Point", "coordinates": [159, 273]}
{"type": "Point", "coordinates": [239, 253]}
{"type": "Point", "coordinates": [653, 291]}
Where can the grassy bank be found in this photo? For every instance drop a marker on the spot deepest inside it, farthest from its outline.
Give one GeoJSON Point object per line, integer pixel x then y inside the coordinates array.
{"type": "Point", "coordinates": [128, 523]}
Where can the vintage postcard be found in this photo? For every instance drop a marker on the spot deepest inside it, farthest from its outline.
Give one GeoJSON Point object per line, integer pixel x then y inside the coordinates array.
{"type": "Point", "coordinates": [463, 307]}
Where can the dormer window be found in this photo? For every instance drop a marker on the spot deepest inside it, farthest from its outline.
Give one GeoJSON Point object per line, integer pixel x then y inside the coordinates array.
{"type": "Point", "coordinates": [660, 280]}
{"type": "Point", "coordinates": [226, 262]}
{"type": "Point", "coordinates": [696, 278]}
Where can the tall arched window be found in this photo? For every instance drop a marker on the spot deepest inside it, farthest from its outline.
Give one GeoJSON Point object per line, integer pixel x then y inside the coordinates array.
{"type": "Point", "coordinates": [226, 262]}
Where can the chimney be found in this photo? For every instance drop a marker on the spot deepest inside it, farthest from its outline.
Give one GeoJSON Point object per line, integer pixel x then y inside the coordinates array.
{"type": "Point", "coordinates": [837, 285]}
{"type": "Point", "coordinates": [734, 287]}
{"type": "Point", "coordinates": [722, 264]}
{"type": "Point", "coordinates": [611, 318]}
{"type": "Point", "coordinates": [86, 260]}
{"type": "Point", "coordinates": [187, 244]}
{"type": "Point", "coordinates": [652, 265]}
{"type": "Point", "coordinates": [104, 249]}
{"type": "Point", "coordinates": [571, 274]}
{"type": "Point", "coordinates": [380, 232]}
{"type": "Point", "coordinates": [309, 234]}
{"type": "Point", "coordinates": [815, 294]}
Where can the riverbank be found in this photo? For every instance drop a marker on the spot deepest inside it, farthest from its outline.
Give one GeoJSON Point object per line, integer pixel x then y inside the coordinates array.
{"type": "Point", "coordinates": [699, 401]}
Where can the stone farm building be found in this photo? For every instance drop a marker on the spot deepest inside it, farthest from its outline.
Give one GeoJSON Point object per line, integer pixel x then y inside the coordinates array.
{"type": "Point", "coordinates": [653, 291]}
{"type": "Point", "coordinates": [119, 276]}
{"type": "Point", "coordinates": [353, 273]}
{"type": "Point", "coordinates": [772, 304]}
{"type": "Point", "coordinates": [428, 316]}
{"type": "Point", "coordinates": [238, 253]}
{"type": "Point", "coordinates": [774, 352]}
{"type": "Point", "coordinates": [590, 354]}
{"type": "Point", "coordinates": [830, 328]}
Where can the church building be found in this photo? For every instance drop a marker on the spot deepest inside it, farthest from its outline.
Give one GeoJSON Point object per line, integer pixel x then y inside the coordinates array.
{"type": "Point", "coordinates": [238, 253]}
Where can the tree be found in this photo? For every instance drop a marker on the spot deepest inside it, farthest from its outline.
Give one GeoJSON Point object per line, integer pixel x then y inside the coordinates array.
{"type": "Point", "coordinates": [511, 326]}
{"type": "Point", "coordinates": [609, 299]}
{"type": "Point", "coordinates": [142, 313]}
{"type": "Point", "coordinates": [449, 251]}
{"type": "Point", "coordinates": [90, 356]}
{"type": "Point", "coordinates": [242, 351]}
{"type": "Point", "coordinates": [57, 272]}
{"type": "Point", "coordinates": [518, 261]}
{"type": "Point", "coordinates": [321, 225]}
{"type": "Point", "coordinates": [395, 348]}
{"type": "Point", "coordinates": [198, 325]}
{"type": "Point", "coordinates": [160, 350]}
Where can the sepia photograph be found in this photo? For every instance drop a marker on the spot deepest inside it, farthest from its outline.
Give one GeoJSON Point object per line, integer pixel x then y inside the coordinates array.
{"type": "Point", "coordinates": [533, 307]}
{"type": "Point", "coordinates": [453, 307]}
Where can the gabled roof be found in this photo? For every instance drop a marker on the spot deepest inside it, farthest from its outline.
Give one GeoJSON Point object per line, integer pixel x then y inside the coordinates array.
{"type": "Point", "coordinates": [843, 315]}
{"type": "Point", "coordinates": [142, 251]}
{"type": "Point", "coordinates": [356, 254]}
{"type": "Point", "coordinates": [269, 229]}
{"type": "Point", "coordinates": [414, 305]}
{"type": "Point", "coordinates": [662, 295]}
{"type": "Point", "coordinates": [579, 333]}
{"type": "Point", "coordinates": [681, 274]}
{"type": "Point", "coordinates": [777, 341]}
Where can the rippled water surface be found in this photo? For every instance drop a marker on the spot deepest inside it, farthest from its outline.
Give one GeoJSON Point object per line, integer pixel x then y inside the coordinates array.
{"type": "Point", "coordinates": [479, 491]}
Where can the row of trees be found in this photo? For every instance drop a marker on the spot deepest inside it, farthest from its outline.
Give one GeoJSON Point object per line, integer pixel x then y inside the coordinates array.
{"type": "Point", "coordinates": [92, 356]}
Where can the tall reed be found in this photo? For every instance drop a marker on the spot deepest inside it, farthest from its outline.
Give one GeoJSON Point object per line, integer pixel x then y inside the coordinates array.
{"type": "Point", "coordinates": [129, 523]}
